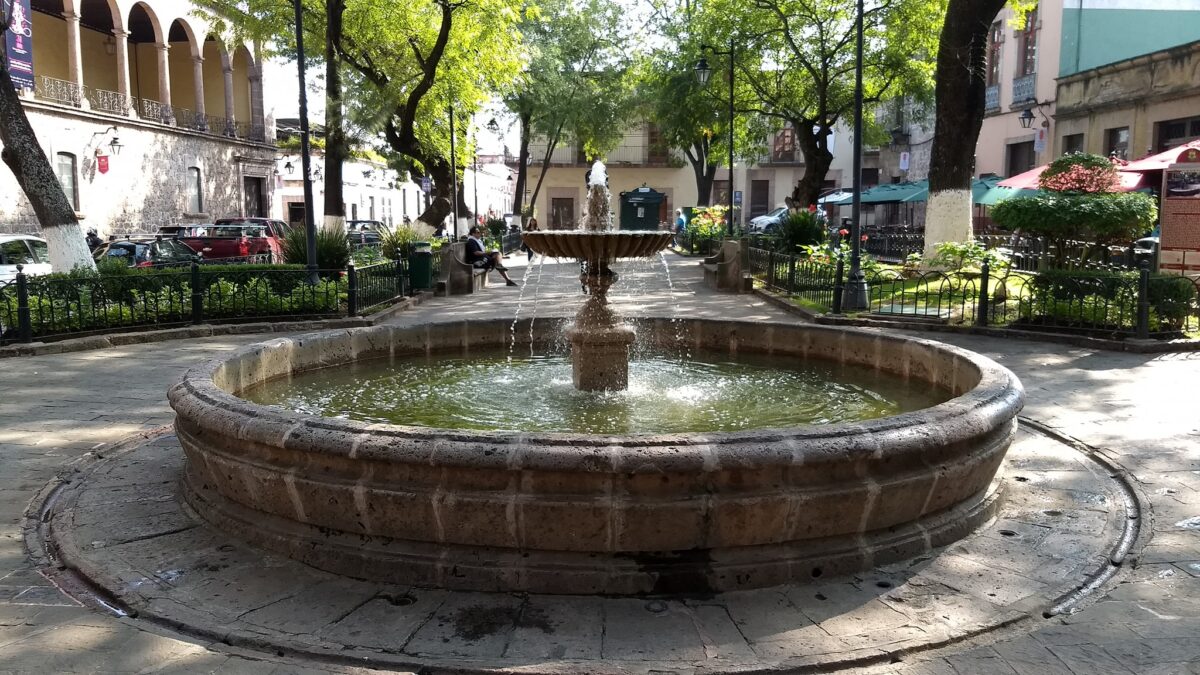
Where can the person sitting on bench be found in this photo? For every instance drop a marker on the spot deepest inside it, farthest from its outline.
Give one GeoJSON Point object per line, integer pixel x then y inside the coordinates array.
{"type": "Point", "coordinates": [480, 257]}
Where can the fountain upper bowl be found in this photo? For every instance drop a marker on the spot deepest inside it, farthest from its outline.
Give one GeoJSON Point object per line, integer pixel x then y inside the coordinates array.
{"type": "Point", "coordinates": [589, 245]}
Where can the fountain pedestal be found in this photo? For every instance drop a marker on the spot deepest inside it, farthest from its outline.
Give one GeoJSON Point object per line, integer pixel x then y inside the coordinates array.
{"type": "Point", "coordinates": [599, 339]}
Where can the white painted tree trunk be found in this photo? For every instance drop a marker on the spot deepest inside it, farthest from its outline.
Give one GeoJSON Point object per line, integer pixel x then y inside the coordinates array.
{"type": "Point", "coordinates": [334, 223]}
{"type": "Point", "coordinates": [68, 247]}
{"type": "Point", "coordinates": [947, 218]}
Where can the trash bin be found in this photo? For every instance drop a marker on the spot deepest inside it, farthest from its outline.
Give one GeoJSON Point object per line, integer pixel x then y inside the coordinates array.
{"type": "Point", "coordinates": [420, 266]}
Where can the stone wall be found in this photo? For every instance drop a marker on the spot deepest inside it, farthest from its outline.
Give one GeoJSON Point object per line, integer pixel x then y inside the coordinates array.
{"type": "Point", "coordinates": [146, 183]}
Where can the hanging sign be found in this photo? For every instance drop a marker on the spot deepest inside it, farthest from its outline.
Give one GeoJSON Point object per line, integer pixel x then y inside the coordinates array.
{"type": "Point", "coordinates": [426, 184]}
{"type": "Point", "coordinates": [1039, 141]}
{"type": "Point", "coordinates": [102, 163]}
{"type": "Point", "coordinates": [904, 159]}
{"type": "Point", "coordinates": [19, 43]}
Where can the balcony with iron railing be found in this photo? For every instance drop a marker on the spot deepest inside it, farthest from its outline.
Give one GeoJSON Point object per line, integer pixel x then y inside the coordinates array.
{"type": "Point", "coordinates": [633, 152]}
{"type": "Point", "coordinates": [62, 92]}
{"type": "Point", "coordinates": [1024, 90]}
{"type": "Point", "coordinates": [991, 98]}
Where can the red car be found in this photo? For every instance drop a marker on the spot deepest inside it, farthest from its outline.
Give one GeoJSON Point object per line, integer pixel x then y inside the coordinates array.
{"type": "Point", "coordinates": [241, 238]}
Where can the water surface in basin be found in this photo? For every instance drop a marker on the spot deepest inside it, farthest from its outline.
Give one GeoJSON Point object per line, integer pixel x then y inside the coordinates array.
{"type": "Point", "coordinates": [704, 393]}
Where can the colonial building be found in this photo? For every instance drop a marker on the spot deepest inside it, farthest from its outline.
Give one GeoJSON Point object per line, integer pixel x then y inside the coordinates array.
{"type": "Point", "coordinates": [1022, 62]}
{"type": "Point", "coordinates": [642, 160]}
{"type": "Point", "coordinates": [147, 116]}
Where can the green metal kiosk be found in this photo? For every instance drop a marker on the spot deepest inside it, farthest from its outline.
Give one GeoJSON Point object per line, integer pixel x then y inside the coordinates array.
{"type": "Point", "coordinates": [640, 208]}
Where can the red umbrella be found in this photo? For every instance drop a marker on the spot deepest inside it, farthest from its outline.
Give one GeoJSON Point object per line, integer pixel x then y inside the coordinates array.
{"type": "Point", "coordinates": [1029, 180]}
{"type": "Point", "coordinates": [1162, 160]}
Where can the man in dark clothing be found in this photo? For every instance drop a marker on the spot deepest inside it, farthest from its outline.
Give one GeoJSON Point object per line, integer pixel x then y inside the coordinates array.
{"type": "Point", "coordinates": [479, 256]}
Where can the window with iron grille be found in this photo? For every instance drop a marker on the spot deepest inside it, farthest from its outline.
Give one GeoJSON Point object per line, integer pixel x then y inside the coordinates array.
{"type": "Point", "coordinates": [1027, 56]}
{"type": "Point", "coordinates": [995, 39]}
{"type": "Point", "coordinates": [64, 167]}
{"type": "Point", "coordinates": [1116, 142]}
{"type": "Point", "coordinates": [785, 146]}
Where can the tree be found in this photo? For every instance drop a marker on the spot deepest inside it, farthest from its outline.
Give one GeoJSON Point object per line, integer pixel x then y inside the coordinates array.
{"type": "Point", "coordinates": [961, 85]}
{"type": "Point", "coordinates": [797, 59]}
{"type": "Point", "coordinates": [26, 159]}
{"type": "Point", "coordinates": [576, 86]}
{"type": "Point", "coordinates": [337, 148]}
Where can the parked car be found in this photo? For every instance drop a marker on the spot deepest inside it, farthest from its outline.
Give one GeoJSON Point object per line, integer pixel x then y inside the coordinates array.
{"type": "Point", "coordinates": [187, 230]}
{"type": "Point", "coordinates": [240, 238]}
{"type": "Point", "coordinates": [156, 252]}
{"type": "Point", "coordinates": [26, 250]}
{"type": "Point", "coordinates": [364, 232]}
{"type": "Point", "coordinates": [768, 222]}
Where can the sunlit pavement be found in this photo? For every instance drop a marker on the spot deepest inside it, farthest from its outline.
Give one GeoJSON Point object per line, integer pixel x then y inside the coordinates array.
{"type": "Point", "coordinates": [55, 409]}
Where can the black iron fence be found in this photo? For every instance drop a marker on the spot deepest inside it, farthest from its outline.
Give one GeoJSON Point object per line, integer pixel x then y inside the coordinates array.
{"type": "Point", "coordinates": [373, 286]}
{"type": "Point", "coordinates": [1101, 303]}
{"type": "Point", "coordinates": [1029, 254]}
{"type": "Point", "coordinates": [35, 308]}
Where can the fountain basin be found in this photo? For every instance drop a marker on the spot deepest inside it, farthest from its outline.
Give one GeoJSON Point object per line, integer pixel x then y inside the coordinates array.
{"type": "Point", "coordinates": [575, 513]}
{"type": "Point", "coordinates": [597, 245]}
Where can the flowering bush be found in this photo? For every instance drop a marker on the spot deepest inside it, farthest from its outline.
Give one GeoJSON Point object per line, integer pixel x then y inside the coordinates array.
{"type": "Point", "coordinates": [708, 222]}
{"type": "Point", "coordinates": [1079, 172]}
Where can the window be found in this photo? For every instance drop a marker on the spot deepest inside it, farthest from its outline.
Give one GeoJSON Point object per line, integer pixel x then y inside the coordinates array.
{"type": "Point", "coordinates": [64, 166]}
{"type": "Point", "coordinates": [1021, 157]}
{"type": "Point", "coordinates": [1027, 47]}
{"type": "Point", "coordinates": [195, 190]}
{"type": "Point", "coordinates": [16, 253]}
{"type": "Point", "coordinates": [870, 177]}
{"type": "Point", "coordinates": [1174, 133]}
{"type": "Point", "coordinates": [1072, 143]}
{"type": "Point", "coordinates": [1116, 142]}
{"type": "Point", "coordinates": [785, 146]}
{"type": "Point", "coordinates": [993, 57]}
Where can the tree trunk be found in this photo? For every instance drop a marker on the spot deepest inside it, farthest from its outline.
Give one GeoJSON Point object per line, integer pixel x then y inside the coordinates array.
{"type": "Point", "coordinates": [522, 167]}
{"type": "Point", "coordinates": [814, 146]}
{"type": "Point", "coordinates": [703, 169]}
{"type": "Point", "coordinates": [537, 187]}
{"type": "Point", "coordinates": [336, 148]}
{"type": "Point", "coordinates": [25, 157]}
{"type": "Point", "coordinates": [439, 206]}
{"type": "Point", "coordinates": [961, 85]}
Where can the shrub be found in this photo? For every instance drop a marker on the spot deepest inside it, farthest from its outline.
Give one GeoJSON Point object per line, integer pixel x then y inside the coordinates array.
{"type": "Point", "coordinates": [398, 243]}
{"type": "Point", "coordinates": [967, 256]}
{"type": "Point", "coordinates": [1105, 218]}
{"type": "Point", "coordinates": [798, 229]}
{"type": "Point", "coordinates": [1078, 172]}
{"type": "Point", "coordinates": [708, 222]}
{"type": "Point", "coordinates": [496, 227]}
{"type": "Point", "coordinates": [333, 251]}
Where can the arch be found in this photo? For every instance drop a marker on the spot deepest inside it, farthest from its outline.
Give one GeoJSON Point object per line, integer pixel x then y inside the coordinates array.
{"type": "Point", "coordinates": [215, 57]}
{"type": "Point", "coordinates": [99, 21]}
{"type": "Point", "coordinates": [181, 65]}
{"type": "Point", "coordinates": [48, 24]}
{"type": "Point", "coordinates": [145, 34]}
{"type": "Point", "coordinates": [144, 24]}
{"type": "Point", "coordinates": [241, 60]}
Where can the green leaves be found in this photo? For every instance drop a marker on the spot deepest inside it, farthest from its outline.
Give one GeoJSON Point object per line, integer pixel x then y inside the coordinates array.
{"type": "Point", "coordinates": [1102, 218]}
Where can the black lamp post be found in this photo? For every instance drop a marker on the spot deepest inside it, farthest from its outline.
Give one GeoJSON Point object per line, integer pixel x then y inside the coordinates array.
{"type": "Point", "coordinates": [703, 74]}
{"type": "Point", "coordinates": [854, 296]}
{"type": "Point", "coordinates": [310, 226]}
{"type": "Point", "coordinates": [453, 174]}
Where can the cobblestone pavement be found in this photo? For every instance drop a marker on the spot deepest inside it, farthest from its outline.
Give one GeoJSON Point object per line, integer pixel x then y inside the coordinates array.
{"type": "Point", "coordinates": [55, 409]}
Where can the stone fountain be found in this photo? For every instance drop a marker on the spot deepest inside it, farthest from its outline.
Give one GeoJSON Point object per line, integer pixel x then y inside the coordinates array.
{"type": "Point", "coordinates": [599, 339]}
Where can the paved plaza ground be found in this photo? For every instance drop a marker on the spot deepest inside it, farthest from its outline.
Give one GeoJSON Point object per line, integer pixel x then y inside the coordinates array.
{"type": "Point", "coordinates": [58, 412]}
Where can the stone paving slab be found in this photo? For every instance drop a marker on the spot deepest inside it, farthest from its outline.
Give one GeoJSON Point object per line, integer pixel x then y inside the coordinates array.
{"type": "Point", "coordinates": [1129, 407]}
{"type": "Point", "coordinates": [156, 561]}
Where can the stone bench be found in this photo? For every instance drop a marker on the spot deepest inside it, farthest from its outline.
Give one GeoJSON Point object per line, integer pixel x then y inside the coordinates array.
{"type": "Point", "coordinates": [724, 271]}
{"type": "Point", "coordinates": [457, 276]}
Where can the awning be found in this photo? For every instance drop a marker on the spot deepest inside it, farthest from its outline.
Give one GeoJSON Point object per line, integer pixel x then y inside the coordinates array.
{"type": "Point", "coordinates": [1130, 181]}
{"type": "Point", "coordinates": [910, 192]}
{"type": "Point", "coordinates": [1160, 161]}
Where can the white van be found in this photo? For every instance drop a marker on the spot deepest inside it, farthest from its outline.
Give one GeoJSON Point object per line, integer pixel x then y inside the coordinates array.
{"type": "Point", "coordinates": [22, 249]}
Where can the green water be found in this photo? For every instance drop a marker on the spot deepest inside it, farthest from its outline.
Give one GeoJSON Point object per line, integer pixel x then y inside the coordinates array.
{"type": "Point", "coordinates": [665, 395]}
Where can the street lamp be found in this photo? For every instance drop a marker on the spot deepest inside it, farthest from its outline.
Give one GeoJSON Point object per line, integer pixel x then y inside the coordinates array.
{"type": "Point", "coordinates": [703, 75]}
{"type": "Point", "coordinates": [1026, 118]}
{"type": "Point", "coordinates": [310, 226]}
{"type": "Point", "coordinates": [854, 296]}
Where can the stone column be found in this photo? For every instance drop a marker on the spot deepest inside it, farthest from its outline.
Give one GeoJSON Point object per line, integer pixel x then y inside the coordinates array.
{"type": "Point", "coordinates": [227, 71]}
{"type": "Point", "coordinates": [164, 82]}
{"type": "Point", "coordinates": [74, 55]}
{"type": "Point", "coordinates": [122, 40]}
{"type": "Point", "coordinates": [256, 100]}
{"type": "Point", "coordinates": [198, 77]}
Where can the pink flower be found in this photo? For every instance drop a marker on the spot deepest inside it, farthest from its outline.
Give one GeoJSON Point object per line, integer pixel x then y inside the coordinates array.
{"type": "Point", "coordinates": [812, 208]}
{"type": "Point", "coordinates": [843, 232]}
{"type": "Point", "coordinates": [864, 237]}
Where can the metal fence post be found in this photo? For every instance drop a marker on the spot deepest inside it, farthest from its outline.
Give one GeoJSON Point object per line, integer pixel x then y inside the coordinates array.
{"type": "Point", "coordinates": [24, 322]}
{"type": "Point", "coordinates": [197, 296]}
{"type": "Point", "coordinates": [770, 269]}
{"type": "Point", "coordinates": [838, 288]}
{"type": "Point", "coordinates": [351, 289]}
{"type": "Point", "coordinates": [399, 263]}
{"type": "Point", "coordinates": [1143, 306]}
{"type": "Point", "coordinates": [981, 313]}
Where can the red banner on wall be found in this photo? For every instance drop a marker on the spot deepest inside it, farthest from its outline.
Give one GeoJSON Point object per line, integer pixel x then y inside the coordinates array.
{"type": "Point", "coordinates": [19, 43]}
{"type": "Point", "coordinates": [102, 163]}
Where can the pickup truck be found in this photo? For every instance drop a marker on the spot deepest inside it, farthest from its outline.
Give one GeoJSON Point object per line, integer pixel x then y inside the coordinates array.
{"type": "Point", "coordinates": [241, 238]}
